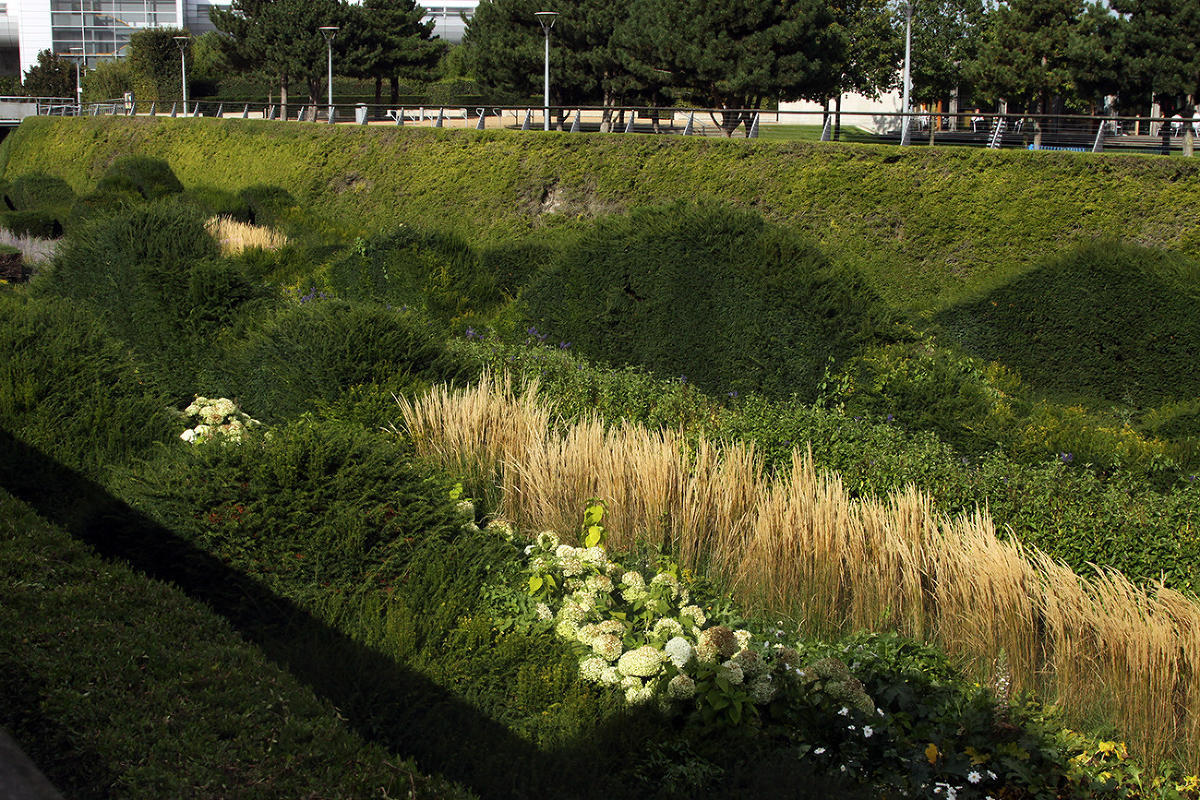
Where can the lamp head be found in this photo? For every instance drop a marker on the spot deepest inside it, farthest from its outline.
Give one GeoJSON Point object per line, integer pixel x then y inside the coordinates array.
{"type": "Point", "coordinates": [329, 31]}
{"type": "Point", "coordinates": [546, 18]}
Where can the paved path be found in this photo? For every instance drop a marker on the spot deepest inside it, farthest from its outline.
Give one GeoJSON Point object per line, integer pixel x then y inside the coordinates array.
{"type": "Point", "coordinates": [19, 778]}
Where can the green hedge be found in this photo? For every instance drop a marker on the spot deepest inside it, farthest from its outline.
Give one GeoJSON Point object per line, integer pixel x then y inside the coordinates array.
{"type": "Point", "coordinates": [147, 272]}
{"type": "Point", "coordinates": [37, 191]}
{"type": "Point", "coordinates": [927, 226]}
{"type": "Point", "coordinates": [707, 294]}
{"type": "Point", "coordinates": [120, 686]}
{"type": "Point", "coordinates": [1109, 320]}
{"type": "Point", "coordinates": [317, 349]}
{"type": "Point", "coordinates": [71, 389]}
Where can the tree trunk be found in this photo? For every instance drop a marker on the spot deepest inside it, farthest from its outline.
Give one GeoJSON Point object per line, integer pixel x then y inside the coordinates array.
{"type": "Point", "coordinates": [394, 86]}
{"type": "Point", "coordinates": [314, 92]}
{"type": "Point", "coordinates": [837, 117]}
{"type": "Point", "coordinates": [283, 92]}
{"type": "Point", "coordinates": [378, 90]}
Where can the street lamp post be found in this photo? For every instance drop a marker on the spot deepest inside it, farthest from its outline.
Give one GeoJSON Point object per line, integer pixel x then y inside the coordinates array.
{"type": "Point", "coordinates": [907, 70]}
{"type": "Point", "coordinates": [182, 41]}
{"type": "Point", "coordinates": [78, 81]}
{"type": "Point", "coordinates": [547, 18]}
{"type": "Point", "coordinates": [329, 31]}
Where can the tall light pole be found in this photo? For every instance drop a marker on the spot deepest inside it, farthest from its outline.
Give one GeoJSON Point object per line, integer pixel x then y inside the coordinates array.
{"type": "Point", "coordinates": [78, 81]}
{"type": "Point", "coordinates": [182, 41]}
{"type": "Point", "coordinates": [329, 31]}
{"type": "Point", "coordinates": [907, 70]}
{"type": "Point", "coordinates": [547, 19]}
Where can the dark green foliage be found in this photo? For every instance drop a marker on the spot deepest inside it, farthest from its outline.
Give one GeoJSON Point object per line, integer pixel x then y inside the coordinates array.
{"type": "Point", "coordinates": [135, 269]}
{"type": "Point", "coordinates": [436, 273]}
{"type": "Point", "coordinates": [266, 205]}
{"type": "Point", "coordinates": [72, 390]}
{"type": "Point", "coordinates": [316, 350]}
{"type": "Point", "coordinates": [213, 201]}
{"type": "Point", "coordinates": [52, 76]}
{"type": "Point", "coordinates": [708, 294]}
{"type": "Point", "coordinates": [37, 191]}
{"type": "Point", "coordinates": [117, 684]}
{"type": "Point", "coordinates": [1109, 320]}
{"type": "Point", "coordinates": [113, 200]}
{"type": "Point", "coordinates": [152, 178]}
{"type": "Point", "coordinates": [40, 223]}
{"type": "Point", "coordinates": [512, 265]}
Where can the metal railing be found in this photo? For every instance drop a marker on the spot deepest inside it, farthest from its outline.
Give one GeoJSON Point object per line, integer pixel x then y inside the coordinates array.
{"type": "Point", "coordinates": [1078, 133]}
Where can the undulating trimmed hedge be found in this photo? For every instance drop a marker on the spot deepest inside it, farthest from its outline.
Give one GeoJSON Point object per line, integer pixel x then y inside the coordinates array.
{"type": "Point", "coordinates": [1109, 320]}
{"type": "Point", "coordinates": [708, 294]}
{"type": "Point", "coordinates": [926, 226]}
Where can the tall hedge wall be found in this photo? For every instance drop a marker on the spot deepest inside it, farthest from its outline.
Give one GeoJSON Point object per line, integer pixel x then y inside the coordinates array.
{"type": "Point", "coordinates": [926, 225]}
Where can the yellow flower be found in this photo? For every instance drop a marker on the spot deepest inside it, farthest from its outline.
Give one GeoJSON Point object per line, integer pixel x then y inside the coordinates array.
{"type": "Point", "coordinates": [1107, 747]}
{"type": "Point", "coordinates": [931, 753]}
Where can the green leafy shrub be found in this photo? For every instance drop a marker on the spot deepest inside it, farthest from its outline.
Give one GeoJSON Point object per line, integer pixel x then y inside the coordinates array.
{"type": "Point", "coordinates": [152, 178]}
{"type": "Point", "coordinates": [317, 349]}
{"type": "Point", "coordinates": [213, 201]}
{"type": "Point", "coordinates": [1109, 320]}
{"type": "Point", "coordinates": [39, 223]}
{"type": "Point", "coordinates": [709, 294]}
{"type": "Point", "coordinates": [70, 389]}
{"type": "Point", "coordinates": [136, 269]}
{"type": "Point", "coordinates": [266, 205]}
{"type": "Point", "coordinates": [109, 201]}
{"type": "Point", "coordinates": [37, 191]}
{"type": "Point", "coordinates": [436, 273]}
{"type": "Point", "coordinates": [967, 402]}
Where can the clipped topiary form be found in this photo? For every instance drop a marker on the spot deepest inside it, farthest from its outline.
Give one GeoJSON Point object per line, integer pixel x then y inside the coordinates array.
{"type": "Point", "coordinates": [37, 190]}
{"type": "Point", "coordinates": [707, 294]}
{"type": "Point", "coordinates": [152, 178]}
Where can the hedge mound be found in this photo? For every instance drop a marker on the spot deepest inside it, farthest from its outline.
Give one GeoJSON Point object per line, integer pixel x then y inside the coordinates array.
{"type": "Point", "coordinates": [926, 225]}
{"type": "Point", "coordinates": [1109, 320]}
{"type": "Point", "coordinates": [709, 294]}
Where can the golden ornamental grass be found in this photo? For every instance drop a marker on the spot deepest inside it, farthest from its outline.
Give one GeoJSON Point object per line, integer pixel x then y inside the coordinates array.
{"type": "Point", "coordinates": [234, 236]}
{"type": "Point", "coordinates": [797, 544]}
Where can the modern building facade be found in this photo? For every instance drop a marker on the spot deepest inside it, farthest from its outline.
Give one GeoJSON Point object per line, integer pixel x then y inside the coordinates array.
{"type": "Point", "coordinates": [100, 29]}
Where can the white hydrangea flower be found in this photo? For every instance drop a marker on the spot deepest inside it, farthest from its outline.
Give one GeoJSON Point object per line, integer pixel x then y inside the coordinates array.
{"type": "Point", "coordinates": [667, 627]}
{"type": "Point", "coordinates": [539, 565]}
{"type": "Point", "coordinates": [192, 410]}
{"type": "Point", "coordinates": [567, 629]}
{"type": "Point", "coordinates": [547, 540]}
{"type": "Point", "coordinates": [611, 676]}
{"type": "Point", "coordinates": [501, 527]}
{"type": "Point", "coordinates": [668, 580]}
{"type": "Point", "coordinates": [203, 431]}
{"type": "Point", "coordinates": [762, 690]}
{"type": "Point", "coordinates": [634, 594]}
{"type": "Point", "coordinates": [631, 682]}
{"type": "Point", "coordinates": [607, 646]}
{"type": "Point", "coordinates": [211, 416]}
{"type": "Point", "coordinates": [643, 662]}
{"type": "Point", "coordinates": [592, 555]}
{"type": "Point", "coordinates": [731, 672]}
{"type": "Point", "coordinates": [613, 626]}
{"type": "Point", "coordinates": [679, 650]}
{"type": "Point", "coordinates": [188, 436]}
{"type": "Point", "coordinates": [599, 583]}
{"type": "Point", "coordinates": [590, 669]}
{"type": "Point", "coordinates": [465, 509]}
{"type": "Point", "coordinates": [695, 614]}
{"type": "Point", "coordinates": [587, 633]}
{"type": "Point", "coordinates": [572, 612]}
{"type": "Point", "coordinates": [571, 565]}
{"type": "Point", "coordinates": [633, 579]}
{"type": "Point", "coordinates": [743, 638]}
{"type": "Point", "coordinates": [585, 600]}
{"type": "Point", "coordinates": [750, 661]}
{"type": "Point", "coordinates": [681, 687]}
{"type": "Point", "coordinates": [543, 611]}
{"type": "Point", "coordinates": [637, 697]}
{"type": "Point", "coordinates": [224, 406]}
{"type": "Point", "coordinates": [564, 551]}
{"type": "Point", "coordinates": [685, 596]}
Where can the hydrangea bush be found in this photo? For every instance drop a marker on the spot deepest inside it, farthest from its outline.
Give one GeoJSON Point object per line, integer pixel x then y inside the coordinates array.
{"type": "Point", "coordinates": [212, 419]}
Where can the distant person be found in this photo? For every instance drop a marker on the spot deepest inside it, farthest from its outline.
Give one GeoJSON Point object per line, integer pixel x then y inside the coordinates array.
{"type": "Point", "coordinates": [1176, 124]}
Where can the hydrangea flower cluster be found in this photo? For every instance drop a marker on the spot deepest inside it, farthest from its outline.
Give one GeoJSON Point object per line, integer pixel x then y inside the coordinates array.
{"type": "Point", "coordinates": [210, 419]}
{"type": "Point", "coordinates": [646, 637]}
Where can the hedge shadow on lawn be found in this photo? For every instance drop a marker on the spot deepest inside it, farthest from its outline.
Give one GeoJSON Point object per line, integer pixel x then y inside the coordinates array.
{"type": "Point", "coordinates": [365, 686]}
{"type": "Point", "coordinates": [75, 769]}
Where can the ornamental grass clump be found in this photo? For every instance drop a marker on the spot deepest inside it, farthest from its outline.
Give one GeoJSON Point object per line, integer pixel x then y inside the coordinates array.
{"type": "Point", "coordinates": [217, 419]}
{"type": "Point", "coordinates": [799, 543]}
{"type": "Point", "coordinates": [234, 236]}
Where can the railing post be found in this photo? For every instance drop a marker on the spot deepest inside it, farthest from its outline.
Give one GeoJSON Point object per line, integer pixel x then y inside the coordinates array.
{"type": "Point", "coordinates": [575, 124]}
{"type": "Point", "coordinates": [482, 114]}
{"type": "Point", "coordinates": [246, 111]}
{"type": "Point", "coordinates": [688, 129]}
{"type": "Point", "coordinates": [629, 125]}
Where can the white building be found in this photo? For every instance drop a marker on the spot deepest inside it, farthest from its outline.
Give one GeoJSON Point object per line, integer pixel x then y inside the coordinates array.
{"type": "Point", "coordinates": [101, 28]}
